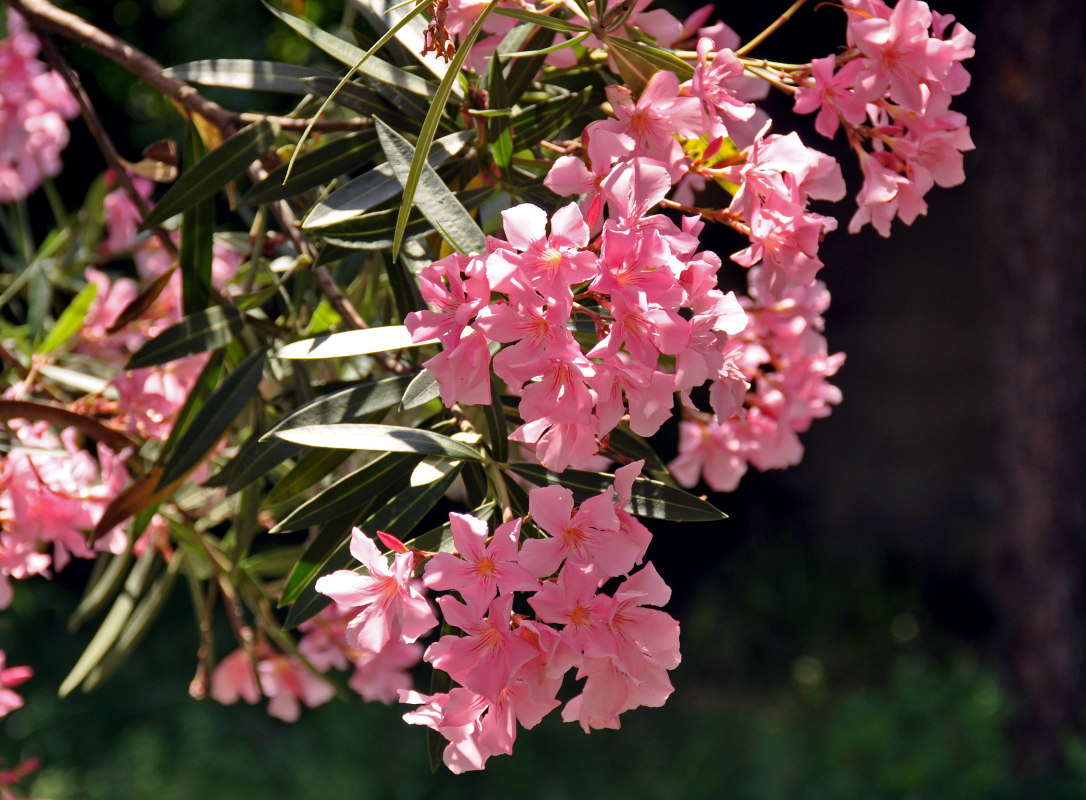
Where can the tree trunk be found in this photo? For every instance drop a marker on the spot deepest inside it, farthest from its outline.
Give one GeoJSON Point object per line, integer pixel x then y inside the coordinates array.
{"type": "Point", "coordinates": [1031, 73]}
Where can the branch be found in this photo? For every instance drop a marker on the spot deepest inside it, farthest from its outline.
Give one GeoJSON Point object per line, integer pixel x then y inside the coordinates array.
{"type": "Point", "coordinates": [43, 15]}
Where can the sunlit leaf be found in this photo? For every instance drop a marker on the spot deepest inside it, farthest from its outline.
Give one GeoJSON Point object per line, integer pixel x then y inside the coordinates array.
{"type": "Point", "coordinates": [70, 320]}
{"type": "Point", "coordinates": [352, 343]}
{"type": "Point", "coordinates": [329, 161]}
{"type": "Point", "coordinates": [382, 438]}
{"type": "Point", "coordinates": [243, 73]}
{"type": "Point", "coordinates": [205, 330]}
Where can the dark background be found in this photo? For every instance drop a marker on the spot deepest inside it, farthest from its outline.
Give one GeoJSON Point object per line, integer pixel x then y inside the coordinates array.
{"type": "Point", "coordinates": [895, 617]}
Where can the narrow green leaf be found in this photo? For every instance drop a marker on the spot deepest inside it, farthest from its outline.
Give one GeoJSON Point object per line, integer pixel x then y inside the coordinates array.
{"type": "Point", "coordinates": [401, 272]}
{"type": "Point", "coordinates": [435, 201]}
{"type": "Point", "coordinates": [429, 125]}
{"type": "Point", "coordinates": [422, 390]}
{"type": "Point", "coordinates": [347, 53]}
{"type": "Point", "coordinates": [521, 72]}
{"type": "Point", "coordinates": [213, 171]}
{"type": "Point", "coordinates": [197, 232]}
{"type": "Point", "coordinates": [102, 641]}
{"type": "Point", "coordinates": [398, 516]}
{"type": "Point", "coordinates": [303, 476]}
{"type": "Point", "coordinates": [137, 625]}
{"type": "Point", "coordinates": [497, 432]}
{"type": "Point", "coordinates": [350, 492]}
{"type": "Point", "coordinates": [352, 343]}
{"type": "Point", "coordinates": [308, 568]}
{"type": "Point", "coordinates": [205, 330]}
{"type": "Point", "coordinates": [544, 121]}
{"type": "Point", "coordinates": [654, 56]}
{"type": "Point", "coordinates": [243, 73]}
{"type": "Point", "coordinates": [374, 229]}
{"type": "Point", "coordinates": [632, 447]}
{"type": "Point", "coordinates": [374, 187]}
{"type": "Point", "coordinates": [649, 498]}
{"type": "Point", "coordinates": [383, 438]}
{"type": "Point", "coordinates": [70, 320]}
{"type": "Point", "coordinates": [315, 168]}
{"type": "Point", "coordinates": [213, 419]}
{"type": "Point", "coordinates": [205, 384]}
{"type": "Point", "coordinates": [542, 20]}
{"type": "Point", "coordinates": [102, 590]}
{"type": "Point", "coordinates": [497, 128]}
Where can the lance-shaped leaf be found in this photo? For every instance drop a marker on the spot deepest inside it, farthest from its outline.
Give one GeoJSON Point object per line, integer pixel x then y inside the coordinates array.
{"type": "Point", "coordinates": [382, 438]}
{"type": "Point", "coordinates": [406, 295]}
{"type": "Point", "coordinates": [304, 475]}
{"type": "Point", "coordinates": [497, 431]}
{"type": "Point", "coordinates": [243, 73]}
{"type": "Point", "coordinates": [352, 343]}
{"type": "Point", "coordinates": [350, 493]}
{"type": "Point", "coordinates": [139, 305]}
{"type": "Point", "coordinates": [260, 454]}
{"type": "Point", "coordinates": [213, 171]}
{"type": "Point", "coordinates": [374, 229]}
{"type": "Point", "coordinates": [374, 187]}
{"type": "Point", "coordinates": [520, 72]}
{"type": "Point", "coordinates": [195, 252]}
{"type": "Point", "coordinates": [632, 447]}
{"type": "Point", "coordinates": [214, 417]}
{"type": "Point", "coordinates": [648, 498]}
{"type": "Point", "coordinates": [646, 59]}
{"type": "Point", "coordinates": [422, 390]}
{"type": "Point", "coordinates": [432, 197]}
{"type": "Point", "coordinates": [338, 157]}
{"type": "Point", "coordinates": [398, 516]}
{"type": "Point", "coordinates": [63, 418]}
{"type": "Point", "coordinates": [205, 330]}
{"type": "Point", "coordinates": [134, 586]}
{"type": "Point", "coordinates": [137, 625]}
{"type": "Point", "coordinates": [70, 320]}
{"type": "Point", "coordinates": [429, 125]}
{"type": "Point", "coordinates": [542, 20]}
{"type": "Point", "coordinates": [346, 53]}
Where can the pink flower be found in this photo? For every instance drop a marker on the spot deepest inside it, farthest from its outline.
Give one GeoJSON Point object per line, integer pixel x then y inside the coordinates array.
{"type": "Point", "coordinates": [34, 103]}
{"type": "Point", "coordinates": [390, 601]}
{"type": "Point", "coordinates": [10, 677]}
{"type": "Point", "coordinates": [286, 681]}
{"type": "Point", "coordinates": [479, 571]}
{"type": "Point", "coordinates": [235, 678]}
{"type": "Point", "coordinates": [833, 95]}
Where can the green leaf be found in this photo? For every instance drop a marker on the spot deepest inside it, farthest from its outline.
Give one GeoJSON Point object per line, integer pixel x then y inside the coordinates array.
{"type": "Point", "coordinates": [308, 568]}
{"type": "Point", "coordinates": [633, 448]}
{"type": "Point", "coordinates": [137, 625]}
{"type": "Point", "coordinates": [205, 384]}
{"type": "Point", "coordinates": [205, 330]}
{"type": "Point", "coordinates": [70, 320]}
{"type": "Point", "coordinates": [213, 419]}
{"type": "Point", "coordinates": [197, 232]}
{"type": "Point", "coordinates": [352, 343]}
{"type": "Point", "coordinates": [398, 516]}
{"type": "Point", "coordinates": [315, 168]}
{"type": "Point", "coordinates": [311, 468]}
{"type": "Point", "coordinates": [435, 201]}
{"type": "Point", "coordinates": [382, 438]}
{"type": "Point", "coordinates": [429, 125]}
{"type": "Point", "coordinates": [346, 53]}
{"type": "Point", "coordinates": [401, 277]}
{"type": "Point", "coordinates": [349, 493]}
{"type": "Point", "coordinates": [545, 120]}
{"type": "Point", "coordinates": [497, 128]}
{"type": "Point", "coordinates": [346, 404]}
{"type": "Point", "coordinates": [422, 390]}
{"type": "Point", "coordinates": [376, 186]}
{"type": "Point", "coordinates": [110, 629]}
{"type": "Point", "coordinates": [497, 432]}
{"type": "Point", "coordinates": [542, 20]}
{"type": "Point", "coordinates": [655, 57]}
{"type": "Point", "coordinates": [521, 72]}
{"type": "Point", "coordinates": [648, 498]}
{"type": "Point", "coordinates": [243, 73]}
{"type": "Point", "coordinates": [213, 171]}
{"type": "Point", "coordinates": [374, 229]}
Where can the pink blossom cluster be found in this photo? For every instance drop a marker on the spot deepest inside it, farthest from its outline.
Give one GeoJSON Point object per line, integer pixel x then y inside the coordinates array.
{"type": "Point", "coordinates": [249, 674]}
{"type": "Point", "coordinates": [599, 327]}
{"type": "Point", "coordinates": [148, 399]}
{"type": "Point", "coordinates": [52, 491]}
{"type": "Point", "coordinates": [509, 658]}
{"type": "Point", "coordinates": [892, 90]}
{"type": "Point", "coordinates": [34, 104]}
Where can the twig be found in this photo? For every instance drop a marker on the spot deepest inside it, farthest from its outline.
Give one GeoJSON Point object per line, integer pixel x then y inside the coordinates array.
{"type": "Point", "coordinates": [43, 15]}
{"type": "Point", "coordinates": [105, 144]}
{"type": "Point", "coordinates": [761, 37]}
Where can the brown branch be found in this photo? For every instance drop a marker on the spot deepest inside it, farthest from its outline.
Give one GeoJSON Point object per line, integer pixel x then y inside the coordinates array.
{"type": "Point", "coordinates": [105, 144]}
{"type": "Point", "coordinates": [42, 15]}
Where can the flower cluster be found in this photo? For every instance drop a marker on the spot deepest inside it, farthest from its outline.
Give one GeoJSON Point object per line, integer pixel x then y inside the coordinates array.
{"type": "Point", "coordinates": [892, 89]}
{"type": "Point", "coordinates": [34, 104]}
{"type": "Point", "coordinates": [508, 664]}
